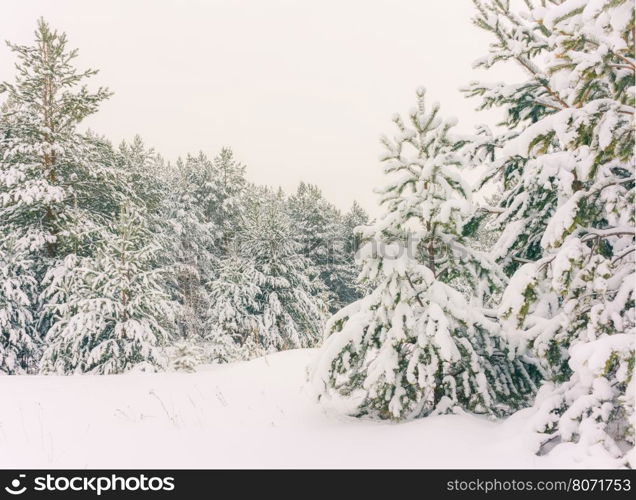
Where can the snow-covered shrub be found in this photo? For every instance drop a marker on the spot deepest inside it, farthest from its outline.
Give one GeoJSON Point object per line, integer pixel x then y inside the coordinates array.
{"type": "Point", "coordinates": [185, 356]}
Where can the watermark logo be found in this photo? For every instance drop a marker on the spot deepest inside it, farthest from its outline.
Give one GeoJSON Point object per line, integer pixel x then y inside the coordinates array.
{"type": "Point", "coordinates": [14, 488]}
{"type": "Point", "coordinates": [97, 484]}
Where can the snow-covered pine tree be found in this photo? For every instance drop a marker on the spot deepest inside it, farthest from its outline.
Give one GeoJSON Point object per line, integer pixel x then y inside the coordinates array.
{"type": "Point", "coordinates": [99, 187]}
{"type": "Point", "coordinates": [291, 308]}
{"type": "Point", "coordinates": [235, 321]}
{"type": "Point", "coordinates": [327, 239]}
{"type": "Point", "coordinates": [44, 157]}
{"type": "Point", "coordinates": [317, 226]}
{"type": "Point", "coordinates": [567, 168]}
{"type": "Point", "coordinates": [347, 287]}
{"type": "Point", "coordinates": [206, 211]}
{"type": "Point", "coordinates": [147, 177]}
{"type": "Point", "coordinates": [225, 197]}
{"type": "Point", "coordinates": [355, 217]}
{"type": "Point", "coordinates": [235, 300]}
{"type": "Point", "coordinates": [162, 190]}
{"type": "Point", "coordinates": [18, 338]}
{"type": "Point", "coordinates": [57, 186]}
{"type": "Point", "coordinates": [111, 312]}
{"type": "Point", "coordinates": [192, 238]}
{"type": "Point", "coordinates": [414, 345]}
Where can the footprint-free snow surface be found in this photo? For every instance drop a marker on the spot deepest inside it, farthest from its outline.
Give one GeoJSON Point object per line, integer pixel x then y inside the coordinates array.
{"type": "Point", "coordinates": [253, 414]}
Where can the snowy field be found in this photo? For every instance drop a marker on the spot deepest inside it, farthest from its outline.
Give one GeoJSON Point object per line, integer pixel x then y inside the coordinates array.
{"type": "Point", "coordinates": [252, 414]}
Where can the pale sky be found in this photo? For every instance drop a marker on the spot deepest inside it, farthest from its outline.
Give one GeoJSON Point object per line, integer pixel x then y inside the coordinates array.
{"type": "Point", "coordinates": [301, 90]}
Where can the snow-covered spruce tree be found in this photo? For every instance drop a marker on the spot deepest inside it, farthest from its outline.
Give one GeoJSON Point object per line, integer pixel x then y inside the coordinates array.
{"type": "Point", "coordinates": [567, 168]}
{"type": "Point", "coordinates": [111, 312]}
{"type": "Point", "coordinates": [290, 307]}
{"type": "Point", "coordinates": [414, 345]}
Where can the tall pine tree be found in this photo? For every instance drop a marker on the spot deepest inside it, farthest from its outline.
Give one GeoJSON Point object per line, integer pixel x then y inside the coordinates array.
{"type": "Point", "coordinates": [54, 182]}
{"type": "Point", "coordinates": [45, 158]}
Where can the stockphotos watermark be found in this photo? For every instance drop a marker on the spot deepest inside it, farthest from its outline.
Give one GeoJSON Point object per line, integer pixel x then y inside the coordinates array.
{"type": "Point", "coordinates": [96, 484]}
{"type": "Point", "coordinates": [436, 248]}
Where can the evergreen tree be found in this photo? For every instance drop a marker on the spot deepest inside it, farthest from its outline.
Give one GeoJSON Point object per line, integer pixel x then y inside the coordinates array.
{"type": "Point", "coordinates": [316, 223]}
{"type": "Point", "coordinates": [414, 345]}
{"type": "Point", "coordinates": [111, 312]}
{"type": "Point", "coordinates": [235, 295]}
{"type": "Point", "coordinates": [186, 356]}
{"type": "Point", "coordinates": [18, 291]}
{"type": "Point", "coordinates": [57, 186]}
{"type": "Point", "coordinates": [291, 309]}
{"type": "Point", "coordinates": [355, 217]}
{"type": "Point", "coordinates": [19, 344]}
{"type": "Point", "coordinates": [147, 177]}
{"type": "Point", "coordinates": [567, 168]}
{"type": "Point", "coordinates": [192, 245]}
{"type": "Point", "coordinates": [206, 211]}
{"type": "Point", "coordinates": [347, 287]}
{"type": "Point", "coordinates": [225, 197]}
{"type": "Point", "coordinates": [327, 241]}
{"type": "Point", "coordinates": [45, 159]}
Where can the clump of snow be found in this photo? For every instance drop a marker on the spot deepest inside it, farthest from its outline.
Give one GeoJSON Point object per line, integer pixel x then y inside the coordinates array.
{"type": "Point", "coordinates": [563, 222]}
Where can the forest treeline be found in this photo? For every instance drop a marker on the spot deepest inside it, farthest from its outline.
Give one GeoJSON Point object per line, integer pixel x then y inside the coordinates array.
{"type": "Point", "coordinates": [112, 258]}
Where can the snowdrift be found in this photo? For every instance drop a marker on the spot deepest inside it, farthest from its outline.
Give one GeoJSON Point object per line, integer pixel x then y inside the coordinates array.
{"type": "Point", "coordinates": [257, 414]}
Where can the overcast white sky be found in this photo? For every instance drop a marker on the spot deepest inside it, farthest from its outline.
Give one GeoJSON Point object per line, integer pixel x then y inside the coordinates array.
{"type": "Point", "coordinates": [300, 89]}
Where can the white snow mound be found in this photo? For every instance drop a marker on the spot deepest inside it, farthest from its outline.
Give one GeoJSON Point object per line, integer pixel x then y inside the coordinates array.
{"type": "Point", "coordinates": [253, 414]}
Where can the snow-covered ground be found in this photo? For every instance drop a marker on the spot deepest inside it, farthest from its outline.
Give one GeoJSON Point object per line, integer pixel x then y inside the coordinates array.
{"type": "Point", "coordinates": [253, 414]}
